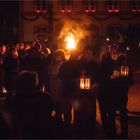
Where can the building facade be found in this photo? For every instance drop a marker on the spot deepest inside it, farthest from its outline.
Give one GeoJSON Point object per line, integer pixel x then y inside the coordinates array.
{"type": "Point", "coordinates": [102, 21]}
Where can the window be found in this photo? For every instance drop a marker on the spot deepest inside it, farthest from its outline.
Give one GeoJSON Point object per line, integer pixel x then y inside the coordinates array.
{"type": "Point", "coordinates": [135, 6]}
{"type": "Point", "coordinates": [66, 6]}
{"type": "Point", "coordinates": [41, 32]}
{"type": "Point", "coordinates": [113, 6]}
{"type": "Point", "coordinates": [89, 6]}
{"type": "Point", "coordinates": [40, 29]}
{"type": "Point", "coordinates": [40, 6]}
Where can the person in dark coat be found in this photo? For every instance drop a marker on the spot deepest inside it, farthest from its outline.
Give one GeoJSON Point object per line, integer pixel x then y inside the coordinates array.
{"type": "Point", "coordinates": [86, 113]}
{"type": "Point", "coordinates": [11, 68]}
{"type": "Point", "coordinates": [3, 52]}
{"type": "Point", "coordinates": [68, 73]}
{"type": "Point", "coordinates": [113, 93]}
{"type": "Point", "coordinates": [31, 110]}
{"type": "Point", "coordinates": [89, 65]}
{"type": "Point", "coordinates": [35, 61]}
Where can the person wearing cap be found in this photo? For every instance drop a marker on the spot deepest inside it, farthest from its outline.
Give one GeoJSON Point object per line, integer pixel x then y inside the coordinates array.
{"type": "Point", "coordinates": [113, 92]}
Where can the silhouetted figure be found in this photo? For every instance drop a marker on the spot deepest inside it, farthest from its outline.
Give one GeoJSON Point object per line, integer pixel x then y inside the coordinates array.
{"type": "Point", "coordinates": [31, 110]}
{"type": "Point", "coordinates": [5, 131]}
{"type": "Point", "coordinates": [11, 68]}
{"type": "Point", "coordinates": [86, 113]}
{"type": "Point", "coordinates": [55, 84]}
{"type": "Point", "coordinates": [35, 61]}
{"type": "Point", "coordinates": [3, 50]}
{"type": "Point", "coordinates": [68, 73]}
{"type": "Point", "coordinates": [113, 93]}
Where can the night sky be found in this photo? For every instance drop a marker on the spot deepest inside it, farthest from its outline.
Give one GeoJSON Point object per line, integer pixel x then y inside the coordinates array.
{"type": "Point", "coordinates": [9, 12]}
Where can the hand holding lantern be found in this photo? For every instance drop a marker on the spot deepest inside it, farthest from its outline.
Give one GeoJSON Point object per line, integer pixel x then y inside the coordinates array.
{"type": "Point", "coordinates": [115, 74]}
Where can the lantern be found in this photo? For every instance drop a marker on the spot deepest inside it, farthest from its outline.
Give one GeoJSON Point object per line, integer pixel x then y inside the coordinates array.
{"type": "Point", "coordinates": [124, 71]}
{"type": "Point", "coordinates": [85, 83]}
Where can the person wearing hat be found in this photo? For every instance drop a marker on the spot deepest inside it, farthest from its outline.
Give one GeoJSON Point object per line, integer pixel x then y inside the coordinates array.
{"type": "Point", "coordinates": [113, 92]}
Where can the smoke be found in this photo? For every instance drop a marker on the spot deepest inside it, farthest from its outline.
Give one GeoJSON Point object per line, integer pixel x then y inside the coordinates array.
{"type": "Point", "coordinates": [79, 26]}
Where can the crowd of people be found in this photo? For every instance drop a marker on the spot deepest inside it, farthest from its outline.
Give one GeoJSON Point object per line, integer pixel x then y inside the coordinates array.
{"type": "Point", "coordinates": [39, 81]}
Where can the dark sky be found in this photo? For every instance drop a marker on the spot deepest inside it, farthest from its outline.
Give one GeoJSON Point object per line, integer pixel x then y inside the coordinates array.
{"type": "Point", "coordinates": [9, 12]}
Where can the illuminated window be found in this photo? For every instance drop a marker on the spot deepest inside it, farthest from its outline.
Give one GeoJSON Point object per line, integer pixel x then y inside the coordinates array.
{"type": "Point", "coordinates": [89, 5]}
{"type": "Point", "coordinates": [135, 6]}
{"type": "Point", "coordinates": [113, 6]}
{"type": "Point", "coordinates": [40, 6]}
{"type": "Point", "coordinates": [66, 6]}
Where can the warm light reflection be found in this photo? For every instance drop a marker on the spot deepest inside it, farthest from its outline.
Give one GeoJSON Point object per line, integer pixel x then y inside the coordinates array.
{"type": "Point", "coordinates": [124, 71]}
{"type": "Point", "coordinates": [85, 83]}
{"type": "Point", "coordinates": [53, 113]}
{"type": "Point", "coordinates": [70, 41]}
{"type": "Point", "coordinates": [72, 116]}
{"type": "Point", "coordinates": [63, 117]}
{"type": "Point", "coordinates": [4, 90]}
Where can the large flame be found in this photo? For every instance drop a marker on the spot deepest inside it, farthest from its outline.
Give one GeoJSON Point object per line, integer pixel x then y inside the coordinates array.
{"type": "Point", "coordinates": [70, 41]}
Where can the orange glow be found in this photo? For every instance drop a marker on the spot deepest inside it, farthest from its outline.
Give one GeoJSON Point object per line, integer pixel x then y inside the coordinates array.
{"type": "Point", "coordinates": [53, 113]}
{"type": "Point", "coordinates": [71, 42]}
{"type": "Point", "coordinates": [63, 118]}
{"type": "Point", "coordinates": [82, 83]}
{"type": "Point", "coordinates": [73, 32]}
{"type": "Point", "coordinates": [72, 116]}
{"type": "Point", "coordinates": [85, 83]}
{"type": "Point", "coordinates": [68, 11]}
{"type": "Point", "coordinates": [124, 71]}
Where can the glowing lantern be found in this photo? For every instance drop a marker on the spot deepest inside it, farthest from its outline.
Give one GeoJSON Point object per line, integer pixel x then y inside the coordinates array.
{"type": "Point", "coordinates": [70, 40]}
{"type": "Point", "coordinates": [124, 71]}
{"type": "Point", "coordinates": [85, 83]}
{"type": "Point", "coordinates": [62, 11]}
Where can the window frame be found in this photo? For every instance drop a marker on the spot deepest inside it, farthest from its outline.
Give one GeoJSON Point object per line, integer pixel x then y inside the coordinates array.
{"type": "Point", "coordinates": [113, 6]}
{"type": "Point", "coordinates": [88, 6]}
{"type": "Point", "coordinates": [134, 6]}
{"type": "Point", "coordinates": [40, 5]}
{"type": "Point", "coordinates": [66, 6]}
